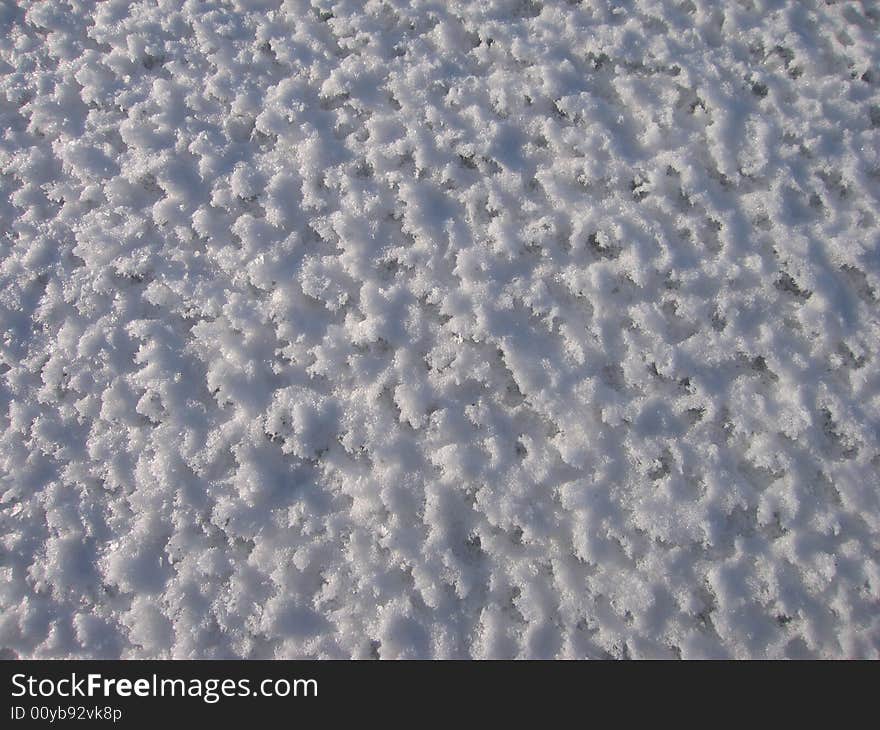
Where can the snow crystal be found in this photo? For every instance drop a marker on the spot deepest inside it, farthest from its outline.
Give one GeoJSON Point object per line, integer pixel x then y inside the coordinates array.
{"type": "Point", "coordinates": [428, 328]}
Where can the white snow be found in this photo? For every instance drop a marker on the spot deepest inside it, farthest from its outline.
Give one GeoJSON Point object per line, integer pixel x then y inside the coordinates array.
{"type": "Point", "coordinates": [436, 328]}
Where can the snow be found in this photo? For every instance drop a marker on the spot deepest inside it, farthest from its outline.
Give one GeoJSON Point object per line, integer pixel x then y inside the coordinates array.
{"type": "Point", "coordinates": [422, 328]}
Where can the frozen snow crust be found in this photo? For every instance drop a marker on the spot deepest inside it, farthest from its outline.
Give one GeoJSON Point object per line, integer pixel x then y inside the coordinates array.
{"type": "Point", "coordinates": [440, 329]}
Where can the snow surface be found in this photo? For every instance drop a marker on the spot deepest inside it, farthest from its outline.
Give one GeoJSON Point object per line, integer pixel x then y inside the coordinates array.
{"type": "Point", "coordinates": [440, 329]}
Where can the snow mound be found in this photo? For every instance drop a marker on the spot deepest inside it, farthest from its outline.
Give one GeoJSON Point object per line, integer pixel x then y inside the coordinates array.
{"type": "Point", "coordinates": [423, 328]}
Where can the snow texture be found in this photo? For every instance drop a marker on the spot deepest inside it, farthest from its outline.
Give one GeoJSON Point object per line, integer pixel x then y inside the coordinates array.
{"type": "Point", "coordinates": [430, 328]}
